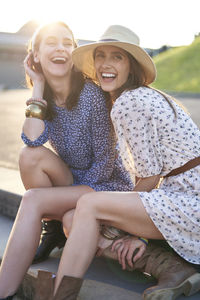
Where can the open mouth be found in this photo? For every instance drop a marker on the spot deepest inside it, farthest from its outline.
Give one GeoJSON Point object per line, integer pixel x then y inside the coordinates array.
{"type": "Point", "coordinates": [59, 60]}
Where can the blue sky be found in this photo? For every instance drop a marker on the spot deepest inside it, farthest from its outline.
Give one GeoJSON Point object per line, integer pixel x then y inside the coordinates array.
{"type": "Point", "coordinates": [156, 22]}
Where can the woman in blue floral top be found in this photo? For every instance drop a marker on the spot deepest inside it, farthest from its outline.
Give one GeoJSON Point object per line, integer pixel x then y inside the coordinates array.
{"type": "Point", "coordinates": [71, 113]}
{"type": "Point", "coordinates": [79, 131]}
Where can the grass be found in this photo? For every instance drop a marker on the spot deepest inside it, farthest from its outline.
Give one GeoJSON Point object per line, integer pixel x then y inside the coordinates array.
{"type": "Point", "coordinates": [178, 69]}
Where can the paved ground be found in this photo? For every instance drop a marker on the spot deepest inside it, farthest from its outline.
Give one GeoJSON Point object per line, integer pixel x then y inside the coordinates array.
{"type": "Point", "coordinates": [12, 107]}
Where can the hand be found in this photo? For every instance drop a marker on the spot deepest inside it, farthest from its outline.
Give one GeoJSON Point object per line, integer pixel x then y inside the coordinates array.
{"type": "Point", "coordinates": [103, 243]}
{"type": "Point", "coordinates": [125, 248]}
{"type": "Point", "coordinates": [34, 75]}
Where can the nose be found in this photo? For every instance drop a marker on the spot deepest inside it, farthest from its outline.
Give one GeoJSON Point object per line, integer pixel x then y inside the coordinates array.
{"type": "Point", "coordinates": [106, 63]}
{"type": "Point", "coordinates": [60, 47]}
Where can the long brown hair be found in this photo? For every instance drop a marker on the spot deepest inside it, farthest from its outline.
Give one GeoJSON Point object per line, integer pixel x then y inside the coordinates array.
{"type": "Point", "coordinates": [137, 79]}
{"type": "Point", "coordinates": [77, 78]}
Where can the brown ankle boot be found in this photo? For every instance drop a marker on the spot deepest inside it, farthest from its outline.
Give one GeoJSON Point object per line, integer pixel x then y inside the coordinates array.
{"type": "Point", "coordinates": [175, 276]}
{"type": "Point", "coordinates": [68, 289]}
{"type": "Point", "coordinates": [44, 285]}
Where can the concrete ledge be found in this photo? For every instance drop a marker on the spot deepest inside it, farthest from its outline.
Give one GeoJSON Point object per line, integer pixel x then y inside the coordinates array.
{"type": "Point", "coordinates": [90, 290]}
{"type": "Point", "coordinates": [9, 203]}
{"type": "Point", "coordinates": [104, 279]}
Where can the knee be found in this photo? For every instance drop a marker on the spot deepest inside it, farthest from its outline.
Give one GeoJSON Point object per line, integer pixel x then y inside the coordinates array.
{"type": "Point", "coordinates": [67, 221]}
{"type": "Point", "coordinates": [86, 205]}
{"type": "Point", "coordinates": [29, 157]}
{"type": "Point", "coordinates": [30, 202]}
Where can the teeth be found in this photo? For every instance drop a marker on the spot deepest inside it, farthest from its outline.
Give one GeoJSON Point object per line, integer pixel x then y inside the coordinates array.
{"type": "Point", "coordinates": [108, 75]}
{"type": "Point", "coordinates": [59, 59]}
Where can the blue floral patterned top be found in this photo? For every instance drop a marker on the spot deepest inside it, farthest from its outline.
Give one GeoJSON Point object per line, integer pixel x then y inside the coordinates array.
{"type": "Point", "coordinates": [83, 137]}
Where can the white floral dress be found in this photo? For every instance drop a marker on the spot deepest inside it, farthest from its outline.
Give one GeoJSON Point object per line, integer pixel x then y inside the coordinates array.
{"type": "Point", "coordinates": [151, 141]}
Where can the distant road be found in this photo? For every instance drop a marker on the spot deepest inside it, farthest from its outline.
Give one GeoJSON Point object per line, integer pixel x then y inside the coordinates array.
{"type": "Point", "coordinates": [12, 107]}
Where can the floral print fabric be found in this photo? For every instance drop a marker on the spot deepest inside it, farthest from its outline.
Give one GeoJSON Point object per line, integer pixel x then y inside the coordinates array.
{"type": "Point", "coordinates": [83, 138]}
{"type": "Point", "coordinates": [155, 139]}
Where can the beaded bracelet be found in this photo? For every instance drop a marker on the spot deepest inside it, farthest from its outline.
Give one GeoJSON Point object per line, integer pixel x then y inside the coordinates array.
{"type": "Point", "coordinates": [33, 100]}
{"type": "Point", "coordinates": [145, 241]}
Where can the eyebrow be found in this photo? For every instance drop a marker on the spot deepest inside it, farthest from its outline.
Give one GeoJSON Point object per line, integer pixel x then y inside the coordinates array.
{"type": "Point", "coordinates": [54, 37]}
{"type": "Point", "coordinates": [113, 52]}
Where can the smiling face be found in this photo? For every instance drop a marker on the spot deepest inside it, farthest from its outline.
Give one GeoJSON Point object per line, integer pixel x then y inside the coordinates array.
{"type": "Point", "coordinates": [54, 51]}
{"type": "Point", "coordinates": [112, 67]}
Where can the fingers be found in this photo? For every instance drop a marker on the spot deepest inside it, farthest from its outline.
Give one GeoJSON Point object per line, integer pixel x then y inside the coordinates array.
{"type": "Point", "coordinates": [124, 256]}
{"type": "Point", "coordinates": [27, 60]}
{"type": "Point", "coordinates": [119, 252]}
{"type": "Point", "coordinates": [116, 243]}
{"type": "Point", "coordinates": [126, 247]}
{"type": "Point", "coordinates": [140, 252]}
{"type": "Point", "coordinates": [129, 251]}
{"type": "Point", "coordinates": [129, 257]}
{"type": "Point", "coordinates": [28, 66]}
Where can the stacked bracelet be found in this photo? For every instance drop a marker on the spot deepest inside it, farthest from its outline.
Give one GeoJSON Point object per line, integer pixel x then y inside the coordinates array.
{"type": "Point", "coordinates": [145, 241]}
{"type": "Point", "coordinates": [36, 108]}
{"type": "Point", "coordinates": [36, 100]}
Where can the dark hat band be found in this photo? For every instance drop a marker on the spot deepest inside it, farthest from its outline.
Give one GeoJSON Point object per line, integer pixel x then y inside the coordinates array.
{"type": "Point", "coordinates": [108, 40]}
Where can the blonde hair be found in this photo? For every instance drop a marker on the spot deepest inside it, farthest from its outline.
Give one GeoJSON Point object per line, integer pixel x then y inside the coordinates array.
{"type": "Point", "coordinates": [77, 78]}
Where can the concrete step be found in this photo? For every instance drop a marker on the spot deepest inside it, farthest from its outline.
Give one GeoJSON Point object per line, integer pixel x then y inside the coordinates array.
{"type": "Point", "coordinates": [104, 278]}
{"type": "Point", "coordinates": [11, 191]}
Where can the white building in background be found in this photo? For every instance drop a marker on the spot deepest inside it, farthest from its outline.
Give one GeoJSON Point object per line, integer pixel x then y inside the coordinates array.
{"type": "Point", "coordinates": [13, 49]}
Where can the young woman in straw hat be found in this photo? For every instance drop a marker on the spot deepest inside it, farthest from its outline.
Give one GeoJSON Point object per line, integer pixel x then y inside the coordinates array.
{"type": "Point", "coordinates": [71, 113]}
{"type": "Point", "coordinates": [157, 140]}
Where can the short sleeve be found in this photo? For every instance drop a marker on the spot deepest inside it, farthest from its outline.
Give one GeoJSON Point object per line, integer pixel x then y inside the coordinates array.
{"type": "Point", "coordinates": [136, 130]}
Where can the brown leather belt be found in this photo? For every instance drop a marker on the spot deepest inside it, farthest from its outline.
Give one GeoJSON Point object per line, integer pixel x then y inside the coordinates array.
{"type": "Point", "coordinates": [189, 165]}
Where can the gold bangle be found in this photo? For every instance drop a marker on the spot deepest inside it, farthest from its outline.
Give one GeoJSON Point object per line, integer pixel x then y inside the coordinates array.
{"type": "Point", "coordinates": [35, 111]}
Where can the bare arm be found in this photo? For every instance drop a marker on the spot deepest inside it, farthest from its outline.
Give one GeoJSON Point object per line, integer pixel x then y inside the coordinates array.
{"type": "Point", "coordinates": [33, 127]}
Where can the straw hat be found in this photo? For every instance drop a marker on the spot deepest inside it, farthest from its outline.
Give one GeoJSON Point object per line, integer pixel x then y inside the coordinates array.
{"type": "Point", "coordinates": [119, 36]}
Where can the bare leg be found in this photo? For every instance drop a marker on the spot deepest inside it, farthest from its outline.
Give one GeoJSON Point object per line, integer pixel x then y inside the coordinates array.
{"type": "Point", "coordinates": [71, 264]}
{"type": "Point", "coordinates": [24, 238]}
{"type": "Point", "coordinates": [41, 167]}
{"type": "Point", "coordinates": [67, 221]}
{"type": "Point", "coordinates": [123, 210]}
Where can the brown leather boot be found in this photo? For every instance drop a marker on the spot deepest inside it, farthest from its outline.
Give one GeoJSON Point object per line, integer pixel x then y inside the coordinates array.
{"type": "Point", "coordinates": [44, 285]}
{"type": "Point", "coordinates": [68, 289]}
{"type": "Point", "coordinates": [175, 276]}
